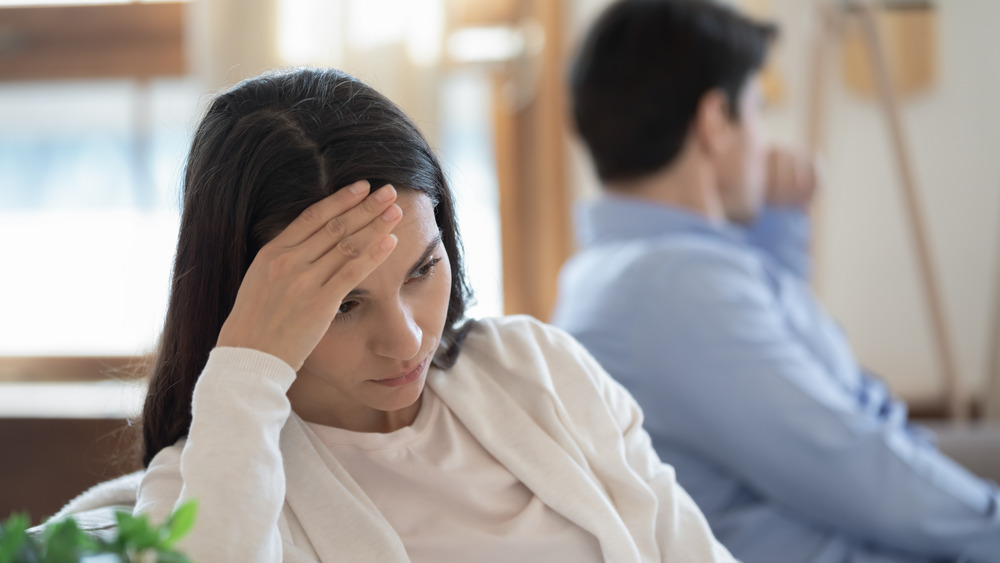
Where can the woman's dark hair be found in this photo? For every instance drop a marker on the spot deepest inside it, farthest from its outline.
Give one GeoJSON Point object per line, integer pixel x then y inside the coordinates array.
{"type": "Point", "coordinates": [642, 70]}
{"type": "Point", "coordinates": [266, 150]}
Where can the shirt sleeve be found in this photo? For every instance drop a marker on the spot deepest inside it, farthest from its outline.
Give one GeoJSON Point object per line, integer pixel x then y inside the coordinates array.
{"type": "Point", "coordinates": [735, 383]}
{"type": "Point", "coordinates": [230, 462]}
{"type": "Point", "coordinates": [783, 233]}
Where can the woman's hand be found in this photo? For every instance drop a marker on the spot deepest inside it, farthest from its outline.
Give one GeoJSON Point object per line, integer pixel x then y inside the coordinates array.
{"type": "Point", "coordinates": [295, 285]}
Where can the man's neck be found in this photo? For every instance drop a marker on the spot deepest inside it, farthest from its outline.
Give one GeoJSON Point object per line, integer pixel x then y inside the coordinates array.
{"type": "Point", "coordinates": [687, 183]}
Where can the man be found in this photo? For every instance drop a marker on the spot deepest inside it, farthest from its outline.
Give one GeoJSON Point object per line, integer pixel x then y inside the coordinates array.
{"type": "Point", "coordinates": [690, 288]}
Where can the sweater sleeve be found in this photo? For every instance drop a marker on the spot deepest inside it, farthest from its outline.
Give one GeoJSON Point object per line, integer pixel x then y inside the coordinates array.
{"type": "Point", "coordinates": [230, 462]}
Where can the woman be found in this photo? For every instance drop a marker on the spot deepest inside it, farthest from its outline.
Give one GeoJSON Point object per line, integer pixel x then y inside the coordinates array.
{"type": "Point", "coordinates": [318, 391]}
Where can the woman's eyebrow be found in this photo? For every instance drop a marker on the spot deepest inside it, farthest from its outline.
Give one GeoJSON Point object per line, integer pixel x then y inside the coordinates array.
{"type": "Point", "coordinates": [358, 292]}
{"type": "Point", "coordinates": [427, 252]}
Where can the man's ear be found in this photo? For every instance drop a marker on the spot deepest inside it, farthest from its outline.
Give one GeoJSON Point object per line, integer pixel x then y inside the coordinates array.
{"type": "Point", "coordinates": [713, 123]}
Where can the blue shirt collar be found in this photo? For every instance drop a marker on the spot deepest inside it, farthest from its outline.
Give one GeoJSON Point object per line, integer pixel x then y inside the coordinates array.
{"type": "Point", "coordinates": [615, 217]}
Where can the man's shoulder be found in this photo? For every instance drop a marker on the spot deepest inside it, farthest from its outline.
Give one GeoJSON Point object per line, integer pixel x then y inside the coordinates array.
{"type": "Point", "coordinates": [666, 256]}
{"type": "Point", "coordinates": [662, 281]}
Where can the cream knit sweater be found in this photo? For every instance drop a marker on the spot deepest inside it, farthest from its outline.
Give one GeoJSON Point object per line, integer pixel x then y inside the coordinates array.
{"type": "Point", "coordinates": [269, 490]}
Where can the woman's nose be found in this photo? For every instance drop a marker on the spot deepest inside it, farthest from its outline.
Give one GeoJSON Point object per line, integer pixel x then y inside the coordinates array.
{"type": "Point", "coordinates": [400, 337]}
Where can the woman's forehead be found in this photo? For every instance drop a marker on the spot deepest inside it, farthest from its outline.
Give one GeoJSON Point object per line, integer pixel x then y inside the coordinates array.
{"type": "Point", "coordinates": [417, 233]}
{"type": "Point", "coordinates": [418, 221]}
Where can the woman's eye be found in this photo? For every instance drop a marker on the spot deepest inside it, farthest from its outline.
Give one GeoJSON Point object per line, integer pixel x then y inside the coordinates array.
{"type": "Point", "coordinates": [346, 307]}
{"type": "Point", "coordinates": [425, 270]}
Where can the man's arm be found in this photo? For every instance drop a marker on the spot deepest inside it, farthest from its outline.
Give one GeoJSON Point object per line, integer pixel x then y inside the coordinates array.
{"type": "Point", "coordinates": [784, 233]}
{"type": "Point", "coordinates": [743, 387]}
{"type": "Point", "coordinates": [782, 228]}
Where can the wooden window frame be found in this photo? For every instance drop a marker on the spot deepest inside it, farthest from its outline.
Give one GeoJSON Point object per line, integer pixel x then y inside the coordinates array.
{"type": "Point", "coordinates": [530, 150]}
{"type": "Point", "coordinates": [92, 42]}
{"type": "Point", "coordinates": [88, 42]}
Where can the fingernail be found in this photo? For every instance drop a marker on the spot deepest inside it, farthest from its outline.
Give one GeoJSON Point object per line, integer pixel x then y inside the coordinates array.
{"type": "Point", "coordinates": [388, 242]}
{"type": "Point", "coordinates": [392, 213]}
{"type": "Point", "coordinates": [359, 187]}
{"type": "Point", "coordinates": [385, 194]}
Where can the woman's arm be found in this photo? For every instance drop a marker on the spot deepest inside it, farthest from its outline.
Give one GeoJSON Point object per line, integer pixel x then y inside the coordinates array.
{"type": "Point", "coordinates": [230, 463]}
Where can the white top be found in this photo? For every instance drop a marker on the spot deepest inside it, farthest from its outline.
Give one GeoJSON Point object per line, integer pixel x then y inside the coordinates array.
{"type": "Point", "coordinates": [270, 490]}
{"type": "Point", "coordinates": [449, 499]}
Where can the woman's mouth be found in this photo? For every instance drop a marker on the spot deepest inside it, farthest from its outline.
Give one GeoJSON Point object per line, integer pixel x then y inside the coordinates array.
{"type": "Point", "coordinates": [404, 379]}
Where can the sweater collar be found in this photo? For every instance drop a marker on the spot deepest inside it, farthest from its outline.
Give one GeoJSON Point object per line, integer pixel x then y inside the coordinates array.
{"type": "Point", "coordinates": [563, 483]}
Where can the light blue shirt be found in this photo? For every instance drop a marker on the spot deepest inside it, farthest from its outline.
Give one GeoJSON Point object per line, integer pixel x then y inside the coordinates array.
{"type": "Point", "coordinates": [753, 394]}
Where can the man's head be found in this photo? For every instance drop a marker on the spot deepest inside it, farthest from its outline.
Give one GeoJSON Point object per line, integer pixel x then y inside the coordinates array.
{"type": "Point", "coordinates": [655, 77]}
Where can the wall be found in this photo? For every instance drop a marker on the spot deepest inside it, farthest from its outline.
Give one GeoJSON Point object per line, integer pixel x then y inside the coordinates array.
{"type": "Point", "coordinates": [866, 268]}
{"type": "Point", "coordinates": [48, 461]}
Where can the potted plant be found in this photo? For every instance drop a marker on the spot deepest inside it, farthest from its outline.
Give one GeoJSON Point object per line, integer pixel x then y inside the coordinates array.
{"type": "Point", "coordinates": [136, 540]}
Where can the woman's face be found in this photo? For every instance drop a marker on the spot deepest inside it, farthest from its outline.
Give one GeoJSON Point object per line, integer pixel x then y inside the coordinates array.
{"type": "Point", "coordinates": [368, 371]}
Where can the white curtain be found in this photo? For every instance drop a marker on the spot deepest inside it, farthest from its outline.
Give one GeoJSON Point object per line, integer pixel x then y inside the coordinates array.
{"type": "Point", "coordinates": [393, 45]}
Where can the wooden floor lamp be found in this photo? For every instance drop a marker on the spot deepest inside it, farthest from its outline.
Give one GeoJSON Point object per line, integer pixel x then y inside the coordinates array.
{"type": "Point", "coordinates": [991, 407]}
{"type": "Point", "coordinates": [834, 19]}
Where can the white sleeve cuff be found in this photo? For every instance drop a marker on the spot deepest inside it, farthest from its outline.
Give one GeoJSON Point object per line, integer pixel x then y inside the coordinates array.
{"type": "Point", "coordinates": [250, 361]}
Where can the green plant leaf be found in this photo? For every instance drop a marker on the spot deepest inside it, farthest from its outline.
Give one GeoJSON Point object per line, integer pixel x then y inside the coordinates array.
{"type": "Point", "coordinates": [134, 532]}
{"type": "Point", "coordinates": [180, 522]}
{"type": "Point", "coordinates": [171, 556]}
{"type": "Point", "coordinates": [14, 537]}
{"type": "Point", "coordinates": [64, 542]}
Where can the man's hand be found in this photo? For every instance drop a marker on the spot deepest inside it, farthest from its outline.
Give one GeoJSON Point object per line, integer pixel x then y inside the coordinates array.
{"type": "Point", "coordinates": [792, 178]}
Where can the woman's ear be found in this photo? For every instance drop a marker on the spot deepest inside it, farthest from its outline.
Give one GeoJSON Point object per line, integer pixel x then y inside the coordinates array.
{"type": "Point", "coordinates": [713, 123]}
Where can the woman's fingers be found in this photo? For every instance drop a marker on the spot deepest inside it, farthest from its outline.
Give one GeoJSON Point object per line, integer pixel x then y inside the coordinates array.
{"type": "Point", "coordinates": [295, 284]}
{"type": "Point", "coordinates": [318, 214]}
{"type": "Point", "coordinates": [347, 276]}
{"type": "Point", "coordinates": [342, 227]}
{"type": "Point", "coordinates": [358, 254]}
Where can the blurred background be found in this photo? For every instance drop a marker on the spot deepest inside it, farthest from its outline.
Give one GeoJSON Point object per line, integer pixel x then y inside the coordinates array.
{"type": "Point", "coordinates": [98, 102]}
